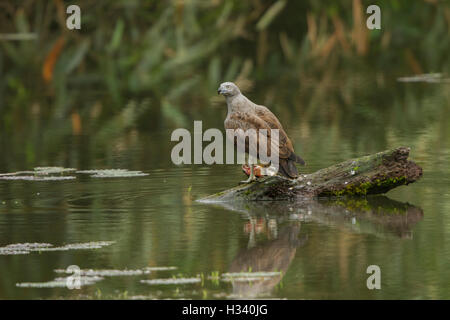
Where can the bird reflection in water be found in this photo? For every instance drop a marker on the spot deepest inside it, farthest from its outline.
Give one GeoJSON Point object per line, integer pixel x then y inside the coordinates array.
{"type": "Point", "coordinates": [274, 254]}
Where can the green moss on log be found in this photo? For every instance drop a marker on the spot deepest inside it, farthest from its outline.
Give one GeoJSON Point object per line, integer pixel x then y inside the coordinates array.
{"type": "Point", "coordinates": [373, 174]}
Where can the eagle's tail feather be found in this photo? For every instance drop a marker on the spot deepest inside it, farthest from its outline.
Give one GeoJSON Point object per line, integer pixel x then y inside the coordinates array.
{"type": "Point", "coordinates": [288, 169]}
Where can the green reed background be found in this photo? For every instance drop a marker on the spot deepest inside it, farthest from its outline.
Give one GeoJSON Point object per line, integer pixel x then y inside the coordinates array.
{"type": "Point", "coordinates": [143, 65]}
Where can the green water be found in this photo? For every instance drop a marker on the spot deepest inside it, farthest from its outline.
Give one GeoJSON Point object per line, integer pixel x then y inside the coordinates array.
{"type": "Point", "coordinates": [321, 249]}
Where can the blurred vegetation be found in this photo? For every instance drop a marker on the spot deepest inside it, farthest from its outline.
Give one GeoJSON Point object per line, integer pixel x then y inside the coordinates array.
{"type": "Point", "coordinates": [140, 67]}
{"type": "Point", "coordinates": [145, 64]}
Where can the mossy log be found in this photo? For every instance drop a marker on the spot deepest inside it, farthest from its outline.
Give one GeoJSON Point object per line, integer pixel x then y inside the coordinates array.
{"type": "Point", "coordinates": [373, 174]}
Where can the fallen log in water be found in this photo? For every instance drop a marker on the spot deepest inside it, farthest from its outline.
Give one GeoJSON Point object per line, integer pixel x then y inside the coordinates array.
{"type": "Point", "coordinates": [373, 174]}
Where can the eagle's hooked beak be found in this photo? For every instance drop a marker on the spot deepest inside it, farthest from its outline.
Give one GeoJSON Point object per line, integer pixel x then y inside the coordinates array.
{"type": "Point", "coordinates": [219, 91]}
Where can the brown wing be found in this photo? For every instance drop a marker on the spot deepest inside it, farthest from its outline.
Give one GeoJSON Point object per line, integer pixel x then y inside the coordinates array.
{"type": "Point", "coordinates": [246, 121]}
{"type": "Point", "coordinates": [285, 145]}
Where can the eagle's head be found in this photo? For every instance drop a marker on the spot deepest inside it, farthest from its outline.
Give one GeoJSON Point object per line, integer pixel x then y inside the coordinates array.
{"type": "Point", "coordinates": [228, 89]}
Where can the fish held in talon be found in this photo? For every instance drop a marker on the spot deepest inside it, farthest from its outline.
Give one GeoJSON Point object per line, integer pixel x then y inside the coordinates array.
{"type": "Point", "coordinates": [259, 171]}
{"type": "Point", "coordinates": [248, 121]}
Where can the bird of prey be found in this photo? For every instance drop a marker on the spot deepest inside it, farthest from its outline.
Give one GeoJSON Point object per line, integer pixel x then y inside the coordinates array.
{"type": "Point", "coordinates": [244, 114]}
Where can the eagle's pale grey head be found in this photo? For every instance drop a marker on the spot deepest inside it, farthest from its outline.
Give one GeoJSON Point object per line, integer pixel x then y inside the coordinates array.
{"type": "Point", "coordinates": [228, 89]}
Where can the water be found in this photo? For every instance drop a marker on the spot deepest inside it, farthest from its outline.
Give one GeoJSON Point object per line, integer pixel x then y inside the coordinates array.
{"type": "Point", "coordinates": [313, 250]}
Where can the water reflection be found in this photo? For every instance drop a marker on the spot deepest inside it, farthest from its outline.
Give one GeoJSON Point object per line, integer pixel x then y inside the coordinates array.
{"type": "Point", "coordinates": [377, 215]}
{"type": "Point", "coordinates": [275, 234]}
{"type": "Point", "coordinates": [269, 256]}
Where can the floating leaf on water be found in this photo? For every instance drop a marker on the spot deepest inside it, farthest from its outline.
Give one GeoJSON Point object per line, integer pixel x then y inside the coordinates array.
{"type": "Point", "coordinates": [59, 282]}
{"type": "Point", "coordinates": [7, 252]}
{"type": "Point", "coordinates": [142, 297]}
{"type": "Point", "coordinates": [113, 173]}
{"type": "Point", "coordinates": [48, 174]}
{"type": "Point", "coordinates": [39, 174]}
{"type": "Point", "coordinates": [160, 268]}
{"type": "Point", "coordinates": [234, 296]}
{"type": "Point", "coordinates": [250, 274]}
{"type": "Point", "coordinates": [28, 245]}
{"type": "Point", "coordinates": [52, 170]}
{"type": "Point", "coordinates": [39, 171]}
{"type": "Point", "coordinates": [106, 272]}
{"type": "Point", "coordinates": [172, 281]}
{"type": "Point", "coordinates": [244, 279]}
{"type": "Point", "coordinates": [26, 248]}
{"type": "Point", "coordinates": [22, 248]}
{"type": "Point", "coordinates": [79, 246]}
{"type": "Point", "coordinates": [36, 178]}
{"type": "Point", "coordinates": [15, 173]}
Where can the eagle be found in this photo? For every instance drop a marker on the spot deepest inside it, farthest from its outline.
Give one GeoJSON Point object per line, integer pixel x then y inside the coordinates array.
{"type": "Point", "coordinates": [244, 114]}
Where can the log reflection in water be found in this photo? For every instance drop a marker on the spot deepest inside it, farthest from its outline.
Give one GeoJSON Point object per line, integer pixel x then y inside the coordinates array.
{"type": "Point", "coordinates": [378, 215]}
